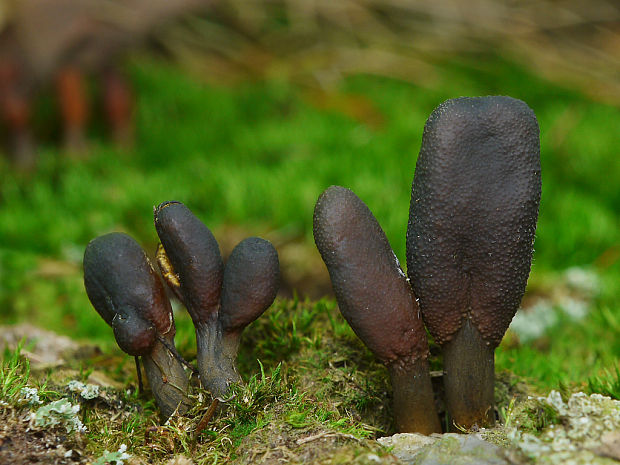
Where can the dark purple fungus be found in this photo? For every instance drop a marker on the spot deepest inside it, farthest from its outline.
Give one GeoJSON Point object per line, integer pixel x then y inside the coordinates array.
{"type": "Point", "coordinates": [472, 219]}
{"type": "Point", "coordinates": [190, 261]}
{"type": "Point", "coordinates": [221, 302]}
{"type": "Point", "coordinates": [125, 290]}
{"type": "Point", "coordinates": [376, 299]}
{"type": "Point", "coordinates": [251, 282]}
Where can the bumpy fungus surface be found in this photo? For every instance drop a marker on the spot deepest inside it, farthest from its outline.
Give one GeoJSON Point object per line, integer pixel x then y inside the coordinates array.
{"type": "Point", "coordinates": [474, 207]}
{"type": "Point", "coordinates": [375, 298]}
{"type": "Point", "coordinates": [125, 290]}
{"type": "Point", "coordinates": [221, 301]}
{"type": "Point", "coordinates": [250, 283]}
{"type": "Point", "coordinates": [194, 257]}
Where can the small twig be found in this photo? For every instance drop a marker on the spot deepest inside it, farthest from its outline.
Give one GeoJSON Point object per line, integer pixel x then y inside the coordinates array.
{"type": "Point", "coordinates": [206, 418]}
{"type": "Point", "coordinates": [324, 435]}
{"type": "Point", "coordinates": [140, 385]}
{"type": "Point", "coordinates": [176, 355]}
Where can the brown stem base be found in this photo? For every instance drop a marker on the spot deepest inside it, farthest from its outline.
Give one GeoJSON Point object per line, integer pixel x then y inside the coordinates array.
{"type": "Point", "coordinates": [469, 379]}
{"type": "Point", "coordinates": [414, 403]}
{"type": "Point", "coordinates": [168, 380]}
{"type": "Point", "coordinates": [216, 356]}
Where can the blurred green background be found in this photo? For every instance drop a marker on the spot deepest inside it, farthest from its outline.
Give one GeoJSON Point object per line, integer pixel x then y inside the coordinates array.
{"type": "Point", "coordinates": [247, 111]}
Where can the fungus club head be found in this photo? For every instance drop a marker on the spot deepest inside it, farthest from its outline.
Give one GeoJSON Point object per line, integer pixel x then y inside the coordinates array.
{"type": "Point", "coordinates": [128, 294]}
{"type": "Point", "coordinates": [473, 213]}
{"type": "Point", "coordinates": [125, 290]}
{"type": "Point", "coordinates": [251, 282]}
{"type": "Point", "coordinates": [220, 301]}
{"type": "Point", "coordinates": [194, 256]}
{"type": "Point", "coordinates": [373, 293]}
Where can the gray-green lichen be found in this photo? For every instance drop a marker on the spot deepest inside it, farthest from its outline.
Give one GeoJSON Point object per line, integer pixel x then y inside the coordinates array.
{"type": "Point", "coordinates": [59, 413]}
{"type": "Point", "coordinates": [87, 391]}
{"type": "Point", "coordinates": [29, 396]}
{"type": "Point", "coordinates": [572, 433]}
{"type": "Point", "coordinates": [118, 457]}
{"type": "Point", "coordinates": [570, 298]}
{"type": "Point", "coordinates": [581, 430]}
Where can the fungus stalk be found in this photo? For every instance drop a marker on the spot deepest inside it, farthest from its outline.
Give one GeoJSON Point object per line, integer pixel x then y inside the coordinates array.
{"type": "Point", "coordinates": [168, 380]}
{"type": "Point", "coordinates": [472, 219]}
{"type": "Point", "coordinates": [413, 399]}
{"type": "Point", "coordinates": [216, 357]}
{"type": "Point", "coordinates": [469, 378]}
{"type": "Point", "coordinates": [125, 290]}
{"type": "Point", "coordinates": [221, 301]}
{"type": "Point", "coordinates": [375, 298]}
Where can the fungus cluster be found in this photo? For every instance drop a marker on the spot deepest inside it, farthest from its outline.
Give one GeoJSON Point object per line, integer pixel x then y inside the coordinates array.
{"type": "Point", "coordinates": [222, 300]}
{"type": "Point", "coordinates": [473, 213]}
{"type": "Point", "coordinates": [128, 294]}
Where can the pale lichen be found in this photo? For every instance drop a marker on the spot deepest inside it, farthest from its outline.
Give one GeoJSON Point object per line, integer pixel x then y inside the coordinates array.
{"type": "Point", "coordinates": [573, 435]}
{"type": "Point", "coordinates": [59, 413]}
{"type": "Point", "coordinates": [86, 391]}
{"type": "Point", "coordinates": [30, 396]}
{"type": "Point", "coordinates": [117, 458]}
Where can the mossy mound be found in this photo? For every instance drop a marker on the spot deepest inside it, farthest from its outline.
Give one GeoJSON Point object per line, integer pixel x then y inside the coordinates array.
{"type": "Point", "coordinates": [316, 396]}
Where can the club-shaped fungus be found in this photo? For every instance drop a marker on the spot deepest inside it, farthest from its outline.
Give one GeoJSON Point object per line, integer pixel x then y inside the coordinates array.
{"type": "Point", "coordinates": [376, 299]}
{"type": "Point", "coordinates": [472, 219]}
{"type": "Point", "coordinates": [125, 290]}
{"type": "Point", "coordinates": [221, 301]}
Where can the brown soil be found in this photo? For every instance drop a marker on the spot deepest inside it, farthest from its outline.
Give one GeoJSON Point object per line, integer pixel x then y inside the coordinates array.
{"type": "Point", "coordinates": [21, 444]}
{"type": "Point", "coordinates": [277, 443]}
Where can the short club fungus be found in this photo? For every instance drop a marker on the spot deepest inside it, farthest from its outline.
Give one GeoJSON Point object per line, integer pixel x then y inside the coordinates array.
{"type": "Point", "coordinates": [222, 301]}
{"type": "Point", "coordinates": [376, 299]}
{"type": "Point", "coordinates": [125, 290]}
{"type": "Point", "coordinates": [472, 219]}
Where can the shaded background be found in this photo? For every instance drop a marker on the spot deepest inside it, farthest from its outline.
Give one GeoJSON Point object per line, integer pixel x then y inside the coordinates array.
{"type": "Point", "coordinates": [247, 110]}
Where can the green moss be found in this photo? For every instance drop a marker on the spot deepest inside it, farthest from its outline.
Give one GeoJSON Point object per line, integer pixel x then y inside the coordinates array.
{"type": "Point", "coordinates": [14, 375]}
{"type": "Point", "coordinates": [533, 416]}
{"type": "Point", "coordinates": [608, 384]}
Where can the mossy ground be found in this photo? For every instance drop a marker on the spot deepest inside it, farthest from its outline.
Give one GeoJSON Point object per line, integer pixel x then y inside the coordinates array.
{"type": "Point", "coordinates": [314, 394]}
